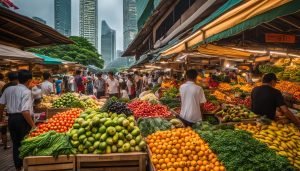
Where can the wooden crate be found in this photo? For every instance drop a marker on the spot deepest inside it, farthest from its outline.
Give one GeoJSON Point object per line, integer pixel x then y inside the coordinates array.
{"type": "Point", "coordinates": [49, 163]}
{"type": "Point", "coordinates": [135, 161]}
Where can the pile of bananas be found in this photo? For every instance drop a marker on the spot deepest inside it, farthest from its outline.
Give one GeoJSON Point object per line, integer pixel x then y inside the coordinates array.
{"type": "Point", "coordinates": [291, 73]}
{"type": "Point", "coordinates": [283, 138]}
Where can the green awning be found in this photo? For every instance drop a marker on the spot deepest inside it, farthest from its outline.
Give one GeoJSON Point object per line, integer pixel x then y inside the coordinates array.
{"type": "Point", "coordinates": [286, 9]}
{"type": "Point", "coordinates": [49, 60]}
{"type": "Point", "coordinates": [144, 10]}
{"type": "Point", "coordinates": [224, 8]}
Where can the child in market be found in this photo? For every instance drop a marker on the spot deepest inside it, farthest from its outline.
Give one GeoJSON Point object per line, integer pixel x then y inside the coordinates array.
{"type": "Point", "coordinates": [124, 93]}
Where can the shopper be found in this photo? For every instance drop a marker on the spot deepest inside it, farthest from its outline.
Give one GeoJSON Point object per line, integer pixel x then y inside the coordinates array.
{"type": "Point", "coordinates": [266, 99]}
{"type": "Point", "coordinates": [112, 85]}
{"type": "Point", "coordinates": [47, 85]}
{"type": "Point", "coordinates": [130, 87]}
{"type": "Point", "coordinates": [2, 83]}
{"type": "Point", "coordinates": [13, 80]}
{"type": "Point", "coordinates": [89, 84]}
{"type": "Point", "coordinates": [124, 93]}
{"type": "Point", "coordinates": [100, 86]}
{"type": "Point", "coordinates": [160, 78]}
{"type": "Point", "coordinates": [18, 102]}
{"type": "Point", "coordinates": [79, 82]}
{"type": "Point", "coordinates": [192, 99]}
{"type": "Point", "coordinates": [58, 85]}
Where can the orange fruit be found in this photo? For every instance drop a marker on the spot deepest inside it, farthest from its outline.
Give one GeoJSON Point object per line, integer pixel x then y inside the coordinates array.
{"type": "Point", "coordinates": [193, 163]}
{"type": "Point", "coordinates": [169, 165]}
{"type": "Point", "coordinates": [222, 168]}
{"type": "Point", "coordinates": [191, 168]}
{"type": "Point", "coordinates": [154, 161]}
{"type": "Point", "coordinates": [163, 166]}
{"type": "Point", "coordinates": [167, 160]}
{"type": "Point", "coordinates": [199, 162]}
{"type": "Point", "coordinates": [174, 151]}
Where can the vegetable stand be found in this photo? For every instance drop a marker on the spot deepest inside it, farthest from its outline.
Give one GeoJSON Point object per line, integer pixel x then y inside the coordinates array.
{"type": "Point", "coordinates": [114, 141]}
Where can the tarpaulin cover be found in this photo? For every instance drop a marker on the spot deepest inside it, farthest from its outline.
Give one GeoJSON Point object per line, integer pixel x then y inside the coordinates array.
{"type": "Point", "coordinates": [224, 8]}
{"type": "Point", "coordinates": [223, 51]}
{"type": "Point", "coordinates": [49, 60]}
{"type": "Point", "coordinates": [237, 15]}
{"type": "Point", "coordinates": [283, 10]}
{"type": "Point", "coordinates": [144, 10]}
{"type": "Point", "coordinates": [7, 52]}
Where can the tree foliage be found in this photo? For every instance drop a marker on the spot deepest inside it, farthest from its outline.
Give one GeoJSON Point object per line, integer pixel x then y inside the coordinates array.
{"type": "Point", "coordinates": [81, 51]}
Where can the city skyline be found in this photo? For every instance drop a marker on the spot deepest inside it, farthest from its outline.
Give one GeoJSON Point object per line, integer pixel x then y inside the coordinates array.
{"type": "Point", "coordinates": [108, 43]}
{"type": "Point", "coordinates": [62, 16]}
{"type": "Point", "coordinates": [88, 27]}
{"type": "Point", "coordinates": [111, 11]}
{"type": "Point", "coordinates": [130, 22]}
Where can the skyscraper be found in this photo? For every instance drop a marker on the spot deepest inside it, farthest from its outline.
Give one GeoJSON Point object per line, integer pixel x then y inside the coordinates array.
{"type": "Point", "coordinates": [62, 15]}
{"type": "Point", "coordinates": [89, 21]}
{"type": "Point", "coordinates": [39, 20]}
{"type": "Point", "coordinates": [129, 21]}
{"type": "Point", "coordinates": [108, 43]}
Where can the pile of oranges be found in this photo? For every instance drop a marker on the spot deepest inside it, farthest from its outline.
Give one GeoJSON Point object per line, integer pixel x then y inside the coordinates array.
{"type": "Point", "coordinates": [181, 149]}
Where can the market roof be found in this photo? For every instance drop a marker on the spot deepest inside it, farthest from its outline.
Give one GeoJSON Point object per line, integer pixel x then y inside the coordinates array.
{"type": "Point", "coordinates": [160, 10]}
{"type": "Point", "coordinates": [246, 15]}
{"type": "Point", "coordinates": [23, 32]}
{"type": "Point", "coordinates": [11, 53]}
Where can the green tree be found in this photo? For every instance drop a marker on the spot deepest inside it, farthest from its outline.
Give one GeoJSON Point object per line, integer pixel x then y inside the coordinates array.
{"type": "Point", "coordinates": [81, 51]}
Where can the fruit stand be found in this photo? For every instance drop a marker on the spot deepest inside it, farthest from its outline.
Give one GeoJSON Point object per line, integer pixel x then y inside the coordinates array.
{"type": "Point", "coordinates": [118, 134]}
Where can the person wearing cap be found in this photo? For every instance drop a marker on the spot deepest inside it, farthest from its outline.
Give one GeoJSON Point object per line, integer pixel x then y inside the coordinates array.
{"type": "Point", "coordinates": [266, 99]}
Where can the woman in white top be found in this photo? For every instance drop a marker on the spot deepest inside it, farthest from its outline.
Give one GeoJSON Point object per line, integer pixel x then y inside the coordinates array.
{"type": "Point", "coordinates": [124, 93]}
{"type": "Point", "coordinates": [112, 85]}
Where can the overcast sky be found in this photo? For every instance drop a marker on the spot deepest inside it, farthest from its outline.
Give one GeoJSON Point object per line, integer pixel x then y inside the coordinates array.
{"type": "Point", "coordinates": [109, 10]}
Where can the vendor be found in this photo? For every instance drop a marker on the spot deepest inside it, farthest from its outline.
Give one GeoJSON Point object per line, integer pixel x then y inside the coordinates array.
{"type": "Point", "coordinates": [266, 99]}
{"type": "Point", "coordinates": [192, 98]}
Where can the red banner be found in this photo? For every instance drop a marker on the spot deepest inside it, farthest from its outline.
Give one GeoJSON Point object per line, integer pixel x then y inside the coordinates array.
{"type": "Point", "coordinates": [8, 4]}
{"type": "Point", "coordinates": [280, 38]}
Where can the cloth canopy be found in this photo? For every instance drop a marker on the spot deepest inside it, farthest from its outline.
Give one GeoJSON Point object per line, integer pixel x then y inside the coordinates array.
{"type": "Point", "coordinates": [243, 12]}
{"type": "Point", "coordinates": [223, 51]}
{"type": "Point", "coordinates": [49, 60]}
{"type": "Point", "coordinates": [8, 52]}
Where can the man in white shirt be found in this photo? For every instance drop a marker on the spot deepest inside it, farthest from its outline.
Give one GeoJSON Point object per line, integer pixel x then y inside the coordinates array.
{"type": "Point", "coordinates": [47, 86]}
{"type": "Point", "coordinates": [160, 78]}
{"type": "Point", "coordinates": [19, 103]}
{"type": "Point", "coordinates": [192, 98]}
{"type": "Point", "coordinates": [112, 85]}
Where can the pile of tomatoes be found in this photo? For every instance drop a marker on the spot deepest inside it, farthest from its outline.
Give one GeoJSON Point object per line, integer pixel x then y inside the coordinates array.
{"type": "Point", "coordinates": [147, 109]}
{"type": "Point", "coordinates": [60, 122]}
{"type": "Point", "coordinates": [209, 107]}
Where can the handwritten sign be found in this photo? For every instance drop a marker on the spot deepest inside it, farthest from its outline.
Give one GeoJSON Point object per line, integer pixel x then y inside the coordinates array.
{"type": "Point", "coordinates": [279, 38]}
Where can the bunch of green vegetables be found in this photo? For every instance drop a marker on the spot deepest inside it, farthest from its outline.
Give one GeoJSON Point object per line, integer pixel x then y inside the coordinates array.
{"type": "Point", "coordinates": [171, 92]}
{"type": "Point", "coordinates": [239, 151]}
{"type": "Point", "coordinates": [47, 144]}
{"type": "Point", "coordinates": [170, 98]}
{"type": "Point", "coordinates": [150, 125]}
{"type": "Point", "coordinates": [270, 69]}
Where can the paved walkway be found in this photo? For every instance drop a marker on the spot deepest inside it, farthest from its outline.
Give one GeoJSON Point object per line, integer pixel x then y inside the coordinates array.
{"type": "Point", "coordinates": [6, 159]}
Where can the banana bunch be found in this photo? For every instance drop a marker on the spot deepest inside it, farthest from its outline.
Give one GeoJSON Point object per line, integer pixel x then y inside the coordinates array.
{"type": "Point", "coordinates": [284, 139]}
{"type": "Point", "coordinates": [291, 73]}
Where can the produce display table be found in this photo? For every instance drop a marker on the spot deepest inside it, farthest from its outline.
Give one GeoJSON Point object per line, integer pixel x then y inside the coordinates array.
{"type": "Point", "coordinates": [135, 161]}
{"type": "Point", "coordinates": [43, 163]}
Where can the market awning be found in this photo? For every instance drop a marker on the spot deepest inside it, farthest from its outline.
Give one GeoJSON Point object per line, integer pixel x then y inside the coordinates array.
{"type": "Point", "coordinates": [241, 13]}
{"type": "Point", "coordinates": [49, 60]}
{"type": "Point", "coordinates": [11, 53]}
{"type": "Point", "coordinates": [223, 51]}
{"type": "Point", "coordinates": [23, 32]}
